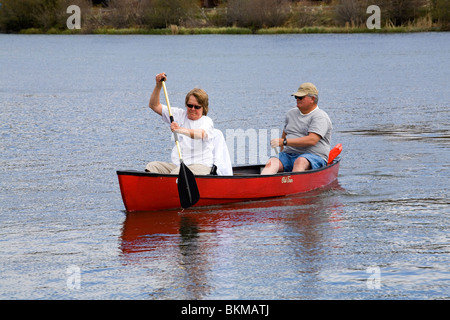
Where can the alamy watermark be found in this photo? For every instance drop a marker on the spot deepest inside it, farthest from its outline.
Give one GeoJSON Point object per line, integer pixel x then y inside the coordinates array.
{"type": "Point", "coordinates": [374, 21]}
{"type": "Point", "coordinates": [73, 280]}
{"type": "Point", "coordinates": [374, 280]}
{"type": "Point", "coordinates": [258, 142]}
{"type": "Point", "coordinates": [244, 146]}
{"type": "Point", "coordinates": [74, 21]}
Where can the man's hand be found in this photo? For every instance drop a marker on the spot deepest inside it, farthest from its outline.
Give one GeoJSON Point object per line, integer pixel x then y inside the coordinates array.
{"type": "Point", "coordinates": [276, 142]}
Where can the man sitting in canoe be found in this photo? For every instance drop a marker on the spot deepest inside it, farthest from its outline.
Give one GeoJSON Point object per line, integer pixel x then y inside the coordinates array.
{"type": "Point", "coordinates": [305, 141]}
{"type": "Point", "coordinates": [194, 130]}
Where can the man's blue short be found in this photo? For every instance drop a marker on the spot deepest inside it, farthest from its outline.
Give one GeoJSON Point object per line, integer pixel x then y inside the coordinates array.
{"type": "Point", "coordinates": [288, 159]}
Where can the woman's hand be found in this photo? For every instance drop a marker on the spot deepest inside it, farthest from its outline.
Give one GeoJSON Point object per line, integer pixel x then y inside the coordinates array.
{"type": "Point", "coordinates": [175, 127]}
{"type": "Point", "coordinates": [160, 77]}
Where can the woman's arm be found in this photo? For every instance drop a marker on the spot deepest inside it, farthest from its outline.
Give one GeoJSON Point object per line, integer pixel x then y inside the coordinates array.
{"type": "Point", "coordinates": [154, 102]}
{"type": "Point", "coordinates": [192, 133]}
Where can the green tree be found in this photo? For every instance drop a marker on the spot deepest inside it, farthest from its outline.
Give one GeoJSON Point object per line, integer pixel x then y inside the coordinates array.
{"type": "Point", "coordinates": [400, 12]}
{"type": "Point", "coordinates": [441, 13]}
{"type": "Point", "coordinates": [48, 14]}
{"type": "Point", "coordinates": [256, 14]}
{"type": "Point", "coordinates": [351, 11]}
{"type": "Point", "coordinates": [16, 15]}
{"type": "Point", "coordinates": [163, 13]}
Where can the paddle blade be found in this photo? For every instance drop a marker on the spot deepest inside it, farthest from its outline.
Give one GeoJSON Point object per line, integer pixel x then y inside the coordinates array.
{"type": "Point", "coordinates": [334, 152]}
{"type": "Point", "coordinates": [187, 187]}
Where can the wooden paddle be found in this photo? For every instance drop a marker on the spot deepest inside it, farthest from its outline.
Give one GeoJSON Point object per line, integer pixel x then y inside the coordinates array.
{"type": "Point", "coordinates": [187, 186]}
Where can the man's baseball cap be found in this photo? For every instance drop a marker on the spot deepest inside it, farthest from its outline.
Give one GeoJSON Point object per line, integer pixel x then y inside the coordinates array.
{"type": "Point", "coordinates": [305, 89]}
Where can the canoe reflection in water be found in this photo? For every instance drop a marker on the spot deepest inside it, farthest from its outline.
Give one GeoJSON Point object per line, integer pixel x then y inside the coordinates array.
{"type": "Point", "coordinates": [184, 249]}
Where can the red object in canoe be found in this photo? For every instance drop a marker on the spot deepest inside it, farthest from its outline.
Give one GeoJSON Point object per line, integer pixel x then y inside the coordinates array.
{"type": "Point", "coordinates": [143, 191]}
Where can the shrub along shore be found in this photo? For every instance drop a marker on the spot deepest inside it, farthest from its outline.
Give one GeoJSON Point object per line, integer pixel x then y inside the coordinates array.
{"type": "Point", "coordinates": [184, 17]}
{"type": "Point", "coordinates": [231, 30]}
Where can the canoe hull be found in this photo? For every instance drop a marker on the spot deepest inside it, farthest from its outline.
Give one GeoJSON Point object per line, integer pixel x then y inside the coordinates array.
{"type": "Point", "coordinates": [142, 191]}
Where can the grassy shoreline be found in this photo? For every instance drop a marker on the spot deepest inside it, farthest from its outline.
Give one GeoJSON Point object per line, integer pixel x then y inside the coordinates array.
{"type": "Point", "coordinates": [175, 30]}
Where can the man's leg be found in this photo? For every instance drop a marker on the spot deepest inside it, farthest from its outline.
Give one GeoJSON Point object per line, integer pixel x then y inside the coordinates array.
{"type": "Point", "coordinates": [273, 166]}
{"type": "Point", "coordinates": [301, 164]}
{"type": "Point", "coordinates": [308, 161]}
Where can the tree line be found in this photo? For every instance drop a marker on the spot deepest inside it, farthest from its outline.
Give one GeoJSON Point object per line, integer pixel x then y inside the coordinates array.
{"type": "Point", "coordinates": [45, 15]}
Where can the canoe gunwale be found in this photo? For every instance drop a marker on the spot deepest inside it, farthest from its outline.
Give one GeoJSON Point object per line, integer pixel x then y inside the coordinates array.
{"type": "Point", "coordinates": [237, 176]}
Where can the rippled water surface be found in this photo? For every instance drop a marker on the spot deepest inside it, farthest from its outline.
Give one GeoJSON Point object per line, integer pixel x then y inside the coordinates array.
{"type": "Point", "coordinates": [74, 110]}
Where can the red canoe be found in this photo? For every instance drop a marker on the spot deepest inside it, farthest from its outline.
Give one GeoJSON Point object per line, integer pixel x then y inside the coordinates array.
{"type": "Point", "coordinates": [143, 191]}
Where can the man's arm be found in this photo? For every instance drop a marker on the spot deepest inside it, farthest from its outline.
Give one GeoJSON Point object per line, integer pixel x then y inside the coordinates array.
{"type": "Point", "coordinates": [307, 141]}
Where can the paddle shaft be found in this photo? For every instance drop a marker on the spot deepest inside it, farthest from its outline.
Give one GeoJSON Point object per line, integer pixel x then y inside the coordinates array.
{"type": "Point", "coordinates": [171, 118]}
{"type": "Point", "coordinates": [187, 186]}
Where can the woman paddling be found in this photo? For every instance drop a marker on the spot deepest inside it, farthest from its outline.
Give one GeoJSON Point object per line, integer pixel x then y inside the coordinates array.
{"type": "Point", "coordinates": [194, 129]}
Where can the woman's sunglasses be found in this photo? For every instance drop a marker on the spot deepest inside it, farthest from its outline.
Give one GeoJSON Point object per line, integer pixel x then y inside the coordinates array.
{"type": "Point", "coordinates": [193, 106]}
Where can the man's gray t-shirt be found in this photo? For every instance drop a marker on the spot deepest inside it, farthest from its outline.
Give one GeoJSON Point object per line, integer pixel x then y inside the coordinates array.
{"type": "Point", "coordinates": [298, 125]}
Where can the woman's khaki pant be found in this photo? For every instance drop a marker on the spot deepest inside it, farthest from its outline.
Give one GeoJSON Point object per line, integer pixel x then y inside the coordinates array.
{"type": "Point", "coordinates": [170, 168]}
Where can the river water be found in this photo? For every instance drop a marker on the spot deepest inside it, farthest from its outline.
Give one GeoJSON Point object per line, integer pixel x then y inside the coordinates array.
{"type": "Point", "coordinates": [74, 110]}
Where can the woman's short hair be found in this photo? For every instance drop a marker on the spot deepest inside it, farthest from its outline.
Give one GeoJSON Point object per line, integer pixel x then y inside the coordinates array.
{"type": "Point", "coordinates": [201, 96]}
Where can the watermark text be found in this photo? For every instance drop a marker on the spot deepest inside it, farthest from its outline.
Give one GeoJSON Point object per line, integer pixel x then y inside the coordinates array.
{"type": "Point", "coordinates": [374, 280]}
{"type": "Point", "coordinates": [73, 273]}
{"type": "Point", "coordinates": [374, 21]}
{"type": "Point", "coordinates": [73, 21]}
